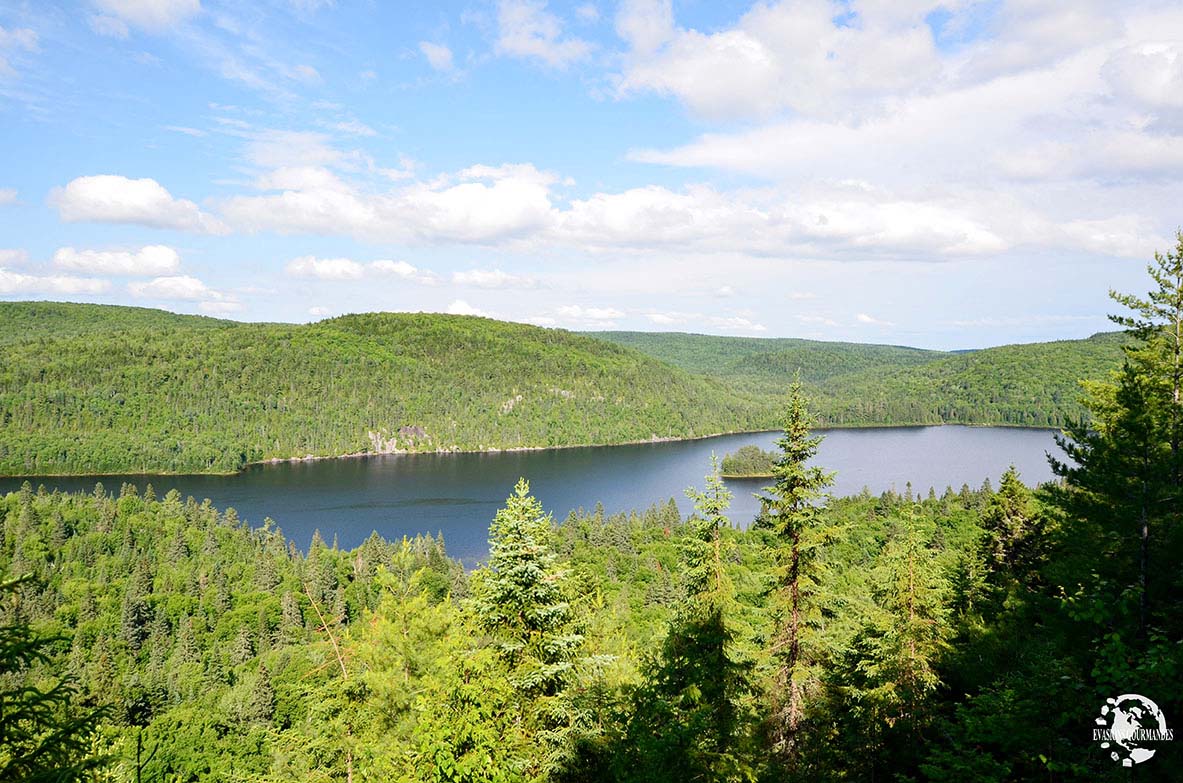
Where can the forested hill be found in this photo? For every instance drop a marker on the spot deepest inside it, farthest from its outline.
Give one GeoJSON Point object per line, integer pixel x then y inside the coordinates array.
{"type": "Point", "coordinates": [852, 384]}
{"type": "Point", "coordinates": [105, 389]}
{"type": "Point", "coordinates": [21, 321]}
{"type": "Point", "coordinates": [96, 389]}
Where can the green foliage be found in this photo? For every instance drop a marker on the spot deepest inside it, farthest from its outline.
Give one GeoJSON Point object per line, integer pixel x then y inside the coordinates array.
{"type": "Point", "coordinates": [792, 513]}
{"type": "Point", "coordinates": [102, 389]}
{"type": "Point", "coordinates": [45, 735]}
{"type": "Point", "coordinates": [851, 384]}
{"type": "Point", "coordinates": [98, 389]}
{"type": "Point", "coordinates": [749, 462]}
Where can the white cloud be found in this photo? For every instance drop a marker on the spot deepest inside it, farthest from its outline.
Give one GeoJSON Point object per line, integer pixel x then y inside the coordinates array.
{"type": "Point", "coordinates": [109, 198]}
{"type": "Point", "coordinates": [195, 132]}
{"type": "Point", "coordinates": [13, 256]}
{"type": "Point", "coordinates": [582, 317]}
{"type": "Point", "coordinates": [7, 196]}
{"type": "Point", "coordinates": [348, 269]}
{"type": "Point", "coordinates": [694, 321]}
{"type": "Point", "coordinates": [188, 289]}
{"type": "Point", "coordinates": [492, 278]}
{"type": "Point", "coordinates": [18, 283]}
{"type": "Point", "coordinates": [325, 268]}
{"type": "Point", "coordinates": [863, 318]}
{"type": "Point", "coordinates": [526, 29]}
{"type": "Point", "coordinates": [481, 204]}
{"type": "Point", "coordinates": [148, 260]}
{"type": "Point", "coordinates": [736, 324]}
{"type": "Point", "coordinates": [220, 307]}
{"type": "Point", "coordinates": [645, 24]}
{"type": "Point", "coordinates": [355, 128]}
{"type": "Point", "coordinates": [319, 312]}
{"type": "Point", "coordinates": [151, 15]}
{"type": "Point", "coordinates": [438, 56]}
{"type": "Point", "coordinates": [788, 55]}
{"type": "Point", "coordinates": [404, 270]}
{"type": "Point", "coordinates": [461, 307]}
{"type": "Point", "coordinates": [587, 13]}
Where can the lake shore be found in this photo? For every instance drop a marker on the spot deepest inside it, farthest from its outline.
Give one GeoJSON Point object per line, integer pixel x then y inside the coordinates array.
{"type": "Point", "coordinates": [508, 449]}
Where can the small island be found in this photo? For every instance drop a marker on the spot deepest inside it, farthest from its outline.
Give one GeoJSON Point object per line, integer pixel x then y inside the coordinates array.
{"type": "Point", "coordinates": [749, 462]}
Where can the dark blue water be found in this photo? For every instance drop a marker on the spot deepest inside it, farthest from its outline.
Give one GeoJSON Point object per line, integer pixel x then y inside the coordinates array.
{"type": "Point", "coordinates": [457, 494]}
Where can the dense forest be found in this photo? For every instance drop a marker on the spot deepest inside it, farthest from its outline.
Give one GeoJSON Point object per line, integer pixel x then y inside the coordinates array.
{"type": "Point", "coordinates": [96, 389]}
{"type": "Point", "coordinates": [969, 635]}
{"type": "Point", "coordinates": [1033, 385]}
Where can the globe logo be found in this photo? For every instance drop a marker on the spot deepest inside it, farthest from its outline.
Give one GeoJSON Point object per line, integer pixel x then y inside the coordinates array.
{"type": "Point", "coordinates": [1128, 727]}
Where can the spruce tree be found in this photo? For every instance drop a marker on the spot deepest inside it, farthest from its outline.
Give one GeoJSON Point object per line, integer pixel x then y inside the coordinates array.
{"type": "Point", "coordinates": [792, 512]}
{"type": "Point", "coordinates": [521, 604]}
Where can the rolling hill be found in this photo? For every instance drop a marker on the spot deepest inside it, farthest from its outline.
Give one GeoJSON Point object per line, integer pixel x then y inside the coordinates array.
{"type": "Point", "coordinates": [106, 389]}
{"type": "Point", "coordinates": [98, 389]}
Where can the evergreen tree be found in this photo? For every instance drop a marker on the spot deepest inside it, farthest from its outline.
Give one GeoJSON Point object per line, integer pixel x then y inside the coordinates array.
{"type": "Point", "coordinates": [520, 602]}
{"type": "Point", "coordinates": [44, 736]}
{"type": "Point", "coordinates": [704, 550]}
{"type": "Point", "coordinates": [690, 720]}
{"type": "Point", "coordinates": [791, 511]}
{"type": "Point", "coordinates": [1008, 520]}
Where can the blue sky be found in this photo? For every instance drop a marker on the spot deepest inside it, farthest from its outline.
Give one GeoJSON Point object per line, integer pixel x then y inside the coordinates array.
{"type": "Point", "coordinates": [941, 174]}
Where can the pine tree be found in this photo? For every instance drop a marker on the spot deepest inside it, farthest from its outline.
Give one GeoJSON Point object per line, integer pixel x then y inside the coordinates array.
{"type": "Point", "coordinates": [44, 736]}
{"type": "Point", "coordinates": [704, 550]}
{"type": "Point", "coordinates": [791, 511]}
{"type": "Point", "coordinates": [1125, 469]}
{"type": "Point", "coordinates": [1008, 523]}
{"type": "Point", "coordinates": [520, 603]}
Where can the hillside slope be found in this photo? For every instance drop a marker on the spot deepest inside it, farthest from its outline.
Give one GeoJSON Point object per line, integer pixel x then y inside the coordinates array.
{"type": "Point", "coordinates": [852, 384]}
{"type": "Point", "coordinates": [178, 394]}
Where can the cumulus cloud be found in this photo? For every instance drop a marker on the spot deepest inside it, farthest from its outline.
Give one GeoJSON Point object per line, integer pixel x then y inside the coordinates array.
{"type": "Point", "coordinates": [492, 278]}
{"type": "Point", "coordinates": [480, 204]}
{"type": "Point", "coordinates": [151, 15]}
{"type": "Point", "coordinates": [148, 260]}
{"type": "Point", "coordinates": [174, 287]}
{"type": "Point", "coordinates": [319, 312]}
{"type": "Point", "coordinates": [110, 198]}
{"type": "Point", "coordinates": [220, 307]}
{"type": "Point", "coordinates": [788, 55]}
{"type": "Point", "coordinates": [13, 256]}
{"type": "Point", "coordinates": [438, 56]}
{"type": "Point", "coordinates": [581, 317]}
{"type": "Point", "coordinates": [7, 196]}
{"type": "Point", "coordinates": [344, 269]}
{"type": "Point", "coordinates": [461, 307]}
{"type": "Point", "coordinates": [18, 283]}
{"type": "Point", "coordinates": [696, 321]}
{"type": "Point", "coordinates": [325, 268]}
{"type": "Point", "coordinates": [863, 318]}
{"type": "Point", "coordinates": [526, 29]}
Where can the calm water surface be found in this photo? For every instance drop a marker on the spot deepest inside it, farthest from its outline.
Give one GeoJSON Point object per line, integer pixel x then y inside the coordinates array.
{"type": "Point", "coordinates": [458, 494]}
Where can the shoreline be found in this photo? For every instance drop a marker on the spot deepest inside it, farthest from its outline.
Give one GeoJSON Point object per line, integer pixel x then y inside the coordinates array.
{"type": "Point", "coordinates": [509, 449]}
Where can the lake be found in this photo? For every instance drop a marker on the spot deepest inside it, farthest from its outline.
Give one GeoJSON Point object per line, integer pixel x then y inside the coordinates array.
{"type": "Point", "coordinates": [458, 494]}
